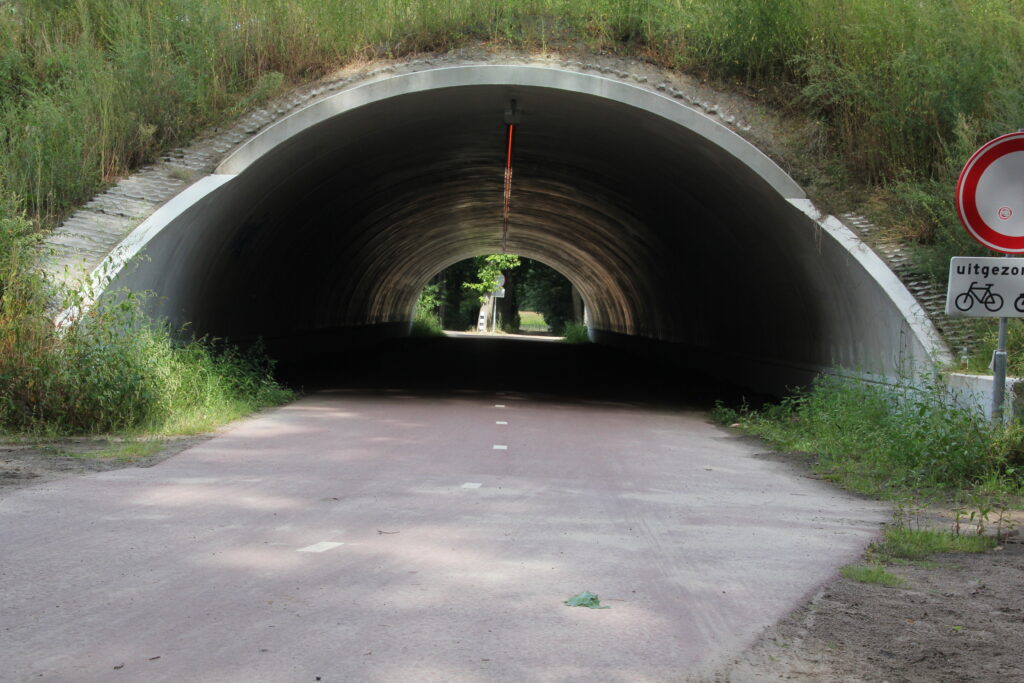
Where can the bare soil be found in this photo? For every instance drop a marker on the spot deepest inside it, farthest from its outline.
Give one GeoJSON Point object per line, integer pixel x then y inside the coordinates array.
{"type": "Point", "coordinates": [956, 618]}
{"type": "Point", "coordinates": [26, 462]}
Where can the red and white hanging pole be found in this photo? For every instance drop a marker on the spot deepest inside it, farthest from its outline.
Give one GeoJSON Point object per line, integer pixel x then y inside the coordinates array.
{"type": "Point", "coordinates": [511, 119]}
{"type": "Point", "coordinates": [508, 190]}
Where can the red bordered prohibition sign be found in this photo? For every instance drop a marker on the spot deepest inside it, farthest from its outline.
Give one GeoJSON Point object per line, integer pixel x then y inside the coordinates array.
{"type": "Point", "coordinates": [990, 194]}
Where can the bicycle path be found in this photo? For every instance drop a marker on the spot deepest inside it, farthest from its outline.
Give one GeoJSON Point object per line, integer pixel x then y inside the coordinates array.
{"type": "Point", "coordinates": [390, 535]}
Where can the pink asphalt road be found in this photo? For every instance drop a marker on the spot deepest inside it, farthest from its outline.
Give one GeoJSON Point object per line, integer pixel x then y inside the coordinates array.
{"type": "Point", "coordinates": [395, 536]}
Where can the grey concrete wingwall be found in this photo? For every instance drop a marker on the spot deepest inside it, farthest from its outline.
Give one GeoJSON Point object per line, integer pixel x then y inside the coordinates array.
{"type": "Point", "coordinates": [679, 234]}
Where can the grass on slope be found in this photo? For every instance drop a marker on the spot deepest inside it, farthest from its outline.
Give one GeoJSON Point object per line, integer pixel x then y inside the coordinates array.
{"type": "Point", "coordinates": [896, 442]}
{"type": "Point", "coordinates": [902, 89]}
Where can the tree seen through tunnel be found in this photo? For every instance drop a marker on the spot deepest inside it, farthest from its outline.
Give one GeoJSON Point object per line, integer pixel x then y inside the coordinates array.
{"type": "Point", "coordinates": [455, 296]}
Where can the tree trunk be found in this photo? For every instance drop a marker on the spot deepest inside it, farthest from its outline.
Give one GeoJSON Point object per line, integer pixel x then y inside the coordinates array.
{"type": "Point", "coordinates": [577, 306]}
{"type": "Point", "coordinates": [508, 306]}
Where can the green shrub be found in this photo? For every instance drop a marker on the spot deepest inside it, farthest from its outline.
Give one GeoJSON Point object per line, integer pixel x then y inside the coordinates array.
{"type": "Point", "coordinates": [113, 371]}
{"type": "Point", "coordinates": [919, 544]}
{"type": "Point", "coordinates": [426, 325]}
{"type": "Point", "coordinates": [109, 369]}
{"type": "Point", "coordinates": [727, 415]}
{"type": "Point", "coordinates": [885, 439]}
{"type": "Point", "coordinates": [576, 333]}
{"type": "Point", "coordinates": [425, 321]}
{"type": "Point", "coordinates": [871, 574]}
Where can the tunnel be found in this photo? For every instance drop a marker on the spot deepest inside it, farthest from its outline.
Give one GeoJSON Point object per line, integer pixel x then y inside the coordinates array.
{"type": "Point", "coordinates": [682, 238]}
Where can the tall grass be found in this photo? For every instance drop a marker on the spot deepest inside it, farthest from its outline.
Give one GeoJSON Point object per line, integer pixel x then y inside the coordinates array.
{"type": "Point", "coordinates": [110, 369]}
{"type": "Point", "coordinates": [919, 544]}
{"type": "Point", "coordinates": [887, 440]}
{"type": "Point", "coordinates": [426, 322]}
{"type": "Point", "coordinates": [576, 333]}
{"type": "Point", "coordinates": [91, 88]}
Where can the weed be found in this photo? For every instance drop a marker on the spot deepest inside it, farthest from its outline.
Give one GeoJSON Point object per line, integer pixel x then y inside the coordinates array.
{"type": "Point", "coordinates": [128, 451]}
{"type": "Point", "coordinates": [901, 441]}
{"type": "Point", "coordinates": [980, 518]}
{"type": "Point", "coordinates": [576, 333]}
{"type": "Point", "coordinates": [907, 512]}
{"type": "Point", "coordinates": [919, 544]}
{"type": "Point", "coordinates": [959, 513]}
{"type": "Point", "coordinates": [730, 415]}
{"type": "Point", "coordinates": [723, 414]}
{"type": "Point", "coordinates": [183, 174]}
{"type": "Point", "coordinates": [426, 326]}
{"type": "Point", "coordinates": [1004, 526]}
{"type": "Point", "coordinates": [425, 319]}
{"type": "Point", "coordinates": [871, 574]}
{"type": "Point", "coordinates": [109, 369]}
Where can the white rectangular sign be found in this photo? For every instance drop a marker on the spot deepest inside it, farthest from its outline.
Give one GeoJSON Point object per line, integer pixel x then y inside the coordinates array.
{"type": "Point", "coordinates": [985, 287]}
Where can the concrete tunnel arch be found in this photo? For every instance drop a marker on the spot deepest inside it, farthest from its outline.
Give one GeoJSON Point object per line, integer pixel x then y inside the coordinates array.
{"type": "Point", "coordinates": [681, 236]}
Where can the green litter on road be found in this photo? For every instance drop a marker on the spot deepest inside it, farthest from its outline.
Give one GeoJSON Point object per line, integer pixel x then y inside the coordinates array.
{"type": "Point", "coordinates": [586, 599]}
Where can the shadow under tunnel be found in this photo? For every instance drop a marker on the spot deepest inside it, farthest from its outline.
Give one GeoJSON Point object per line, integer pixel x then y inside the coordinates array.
{"type": "Point", "coordinates": [546, 370]}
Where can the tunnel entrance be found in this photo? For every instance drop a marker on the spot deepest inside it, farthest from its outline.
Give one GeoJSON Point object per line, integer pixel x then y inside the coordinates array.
{"type": "Point", "coordinates": [683, 238]}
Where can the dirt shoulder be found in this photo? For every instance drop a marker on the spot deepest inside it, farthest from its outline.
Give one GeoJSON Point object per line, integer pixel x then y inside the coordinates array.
{"type": "Point", "coordinates": [25, 462]}
{"type": "Point", "coordinates": [960, 618]}
{"type": "Point", "coordinates": [956, 618]}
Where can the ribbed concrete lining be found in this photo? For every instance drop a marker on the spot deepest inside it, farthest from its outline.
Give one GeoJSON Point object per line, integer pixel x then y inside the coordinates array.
{"type": "Point", "coordinates": [672, 227]}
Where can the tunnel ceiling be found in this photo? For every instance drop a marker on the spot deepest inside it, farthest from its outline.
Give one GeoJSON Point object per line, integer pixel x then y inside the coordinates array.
{"type": "Point", "coordinates": [671, 227]}
{"type": "Point", "coordinates": [351, 219]}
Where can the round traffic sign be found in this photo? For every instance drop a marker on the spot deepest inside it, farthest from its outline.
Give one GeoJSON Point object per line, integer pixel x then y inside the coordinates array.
{"type": "Point", "coordinates": [990, 194]}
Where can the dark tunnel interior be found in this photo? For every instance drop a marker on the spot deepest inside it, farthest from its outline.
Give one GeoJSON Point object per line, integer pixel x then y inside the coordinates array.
{"type": "Point", "coordinates": [348, 225]}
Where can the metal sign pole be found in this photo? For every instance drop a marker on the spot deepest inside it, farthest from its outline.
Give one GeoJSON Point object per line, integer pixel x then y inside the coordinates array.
{"type": "Point", "coordinates": [999, 369]}
{"type": "Point", "coordinates": [999, 366]}
{"type": "Point", "coordinates": [999, 374]}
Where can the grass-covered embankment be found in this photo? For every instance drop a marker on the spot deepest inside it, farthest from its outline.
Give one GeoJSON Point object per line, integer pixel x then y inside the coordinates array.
{"type": "Point", "coordinates": [900, 89]}
{"type": "Point", "coordinates": [109, 369]}
{"type": "Point", "coordinates": [909, 442]}
{"type": "Point", "coordinates": [896, 94]}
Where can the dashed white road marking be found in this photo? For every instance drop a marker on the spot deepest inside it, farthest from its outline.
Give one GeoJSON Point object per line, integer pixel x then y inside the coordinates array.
{"type": "Point", "coordinates": [499, 405]}
{"type": "Point", "coordinates": [500, 447]}
{"type": "Point", "coordinates": [471, 485]}
{"type": "Point", "coordinates": [501, 422]}
{"type": "Point", "coordinates": [319, 547]}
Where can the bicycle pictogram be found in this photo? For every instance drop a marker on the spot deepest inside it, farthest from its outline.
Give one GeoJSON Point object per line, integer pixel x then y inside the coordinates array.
{"type": "Point", "coordinates": [984, 296]}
